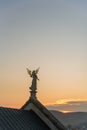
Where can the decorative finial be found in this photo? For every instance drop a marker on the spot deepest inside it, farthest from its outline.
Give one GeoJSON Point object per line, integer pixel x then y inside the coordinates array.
{"type": "Point", "coordinates": [33, 75]}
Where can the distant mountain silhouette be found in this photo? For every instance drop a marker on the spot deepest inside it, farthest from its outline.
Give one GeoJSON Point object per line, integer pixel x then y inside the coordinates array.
{"type": "Point", "coordinates": [74, 118]}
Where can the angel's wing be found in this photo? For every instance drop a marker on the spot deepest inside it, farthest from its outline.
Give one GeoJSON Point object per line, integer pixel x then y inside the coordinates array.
{"type": "Point", "coordinates": [29, 72]}
{"type": "Point", "coordinates": [37, 70]}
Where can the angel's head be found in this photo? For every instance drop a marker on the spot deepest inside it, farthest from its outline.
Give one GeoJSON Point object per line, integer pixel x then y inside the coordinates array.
{"type": "Point", "coordinates": [33, 72]}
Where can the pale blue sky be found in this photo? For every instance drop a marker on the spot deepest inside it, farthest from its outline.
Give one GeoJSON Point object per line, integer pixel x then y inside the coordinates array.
{"type": "Point", "coordinates": [46, 33]}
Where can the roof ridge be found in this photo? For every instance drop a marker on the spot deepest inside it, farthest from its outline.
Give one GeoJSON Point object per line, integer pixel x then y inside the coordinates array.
{"type": "Point", "coordinates": [45, 111]}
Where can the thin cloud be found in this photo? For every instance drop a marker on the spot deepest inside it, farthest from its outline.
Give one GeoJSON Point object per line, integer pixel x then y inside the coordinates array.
{"type": "Point", "coordinates": [73, 105]}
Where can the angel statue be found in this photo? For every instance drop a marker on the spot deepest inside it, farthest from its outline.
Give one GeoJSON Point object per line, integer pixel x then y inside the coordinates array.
{"type": "Point", "coordinates": [33, 74]}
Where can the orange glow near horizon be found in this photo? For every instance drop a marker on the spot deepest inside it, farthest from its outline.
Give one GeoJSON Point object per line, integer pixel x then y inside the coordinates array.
{"type": "Point", "coordinates": [65, 101]}
{"type": "Point", "coordinates": [68, 105]}
{"type": "Point", "coordinates": [63, 111]}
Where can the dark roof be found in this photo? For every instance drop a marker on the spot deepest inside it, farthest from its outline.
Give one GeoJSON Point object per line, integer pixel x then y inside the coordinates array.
{"type": "Point", "coordinates": [15, 119]}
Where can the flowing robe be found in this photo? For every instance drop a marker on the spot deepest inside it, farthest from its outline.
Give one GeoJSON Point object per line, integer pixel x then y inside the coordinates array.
{"type": "Point", "coordinates": [34, 81]}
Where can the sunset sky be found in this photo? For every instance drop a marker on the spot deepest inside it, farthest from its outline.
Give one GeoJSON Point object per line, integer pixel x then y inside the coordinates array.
{"type": "Point", "coordinates": [52, 35]}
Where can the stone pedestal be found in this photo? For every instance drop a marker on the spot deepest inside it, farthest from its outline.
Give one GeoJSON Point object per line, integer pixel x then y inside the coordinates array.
{"type": "Point", "coordinates": [33, 94]}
